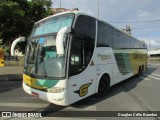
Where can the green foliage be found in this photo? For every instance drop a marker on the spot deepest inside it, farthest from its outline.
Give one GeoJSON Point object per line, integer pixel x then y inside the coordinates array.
{"type": "Point", "coordinates": [17, 18]}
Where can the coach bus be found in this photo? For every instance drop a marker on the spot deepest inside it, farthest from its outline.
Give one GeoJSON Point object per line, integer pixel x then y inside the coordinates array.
{"type": "Point", "coordinates": [72, 55]}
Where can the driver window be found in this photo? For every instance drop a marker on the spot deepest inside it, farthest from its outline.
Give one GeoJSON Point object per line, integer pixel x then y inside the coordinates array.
{"type": "Point", "coordinates": [83, 43]}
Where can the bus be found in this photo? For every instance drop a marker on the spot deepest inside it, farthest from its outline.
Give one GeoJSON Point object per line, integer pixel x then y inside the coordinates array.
{"type": "Point", "coordinates": [72, 55]}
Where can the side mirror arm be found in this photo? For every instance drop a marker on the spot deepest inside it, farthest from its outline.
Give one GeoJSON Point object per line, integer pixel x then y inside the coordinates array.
{"type": "Point", "coordinates": [60, 38]}
{"type": "Point", "coordinates": [15, 42]}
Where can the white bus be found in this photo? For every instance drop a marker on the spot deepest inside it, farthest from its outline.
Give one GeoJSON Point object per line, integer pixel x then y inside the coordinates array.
{"type": "Point", "coordinates": [72, 55]}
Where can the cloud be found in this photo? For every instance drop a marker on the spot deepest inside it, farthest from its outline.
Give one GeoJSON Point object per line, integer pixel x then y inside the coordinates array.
{"type": "Point", "coordinates": [118, 11]}
{"type": "Point", "coordinates": [144, 14]}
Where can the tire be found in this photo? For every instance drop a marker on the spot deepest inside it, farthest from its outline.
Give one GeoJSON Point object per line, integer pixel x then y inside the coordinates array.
{"type": "Point", "coordinates": [103, 86]}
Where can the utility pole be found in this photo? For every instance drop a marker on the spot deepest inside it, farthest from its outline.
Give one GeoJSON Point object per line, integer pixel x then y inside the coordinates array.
{"type": "Point", "coordinates": [60, 4]}
{"type": "Point", "coordinates": [59, 10]}
{"type": "Point", "coordinates": [98, 8]}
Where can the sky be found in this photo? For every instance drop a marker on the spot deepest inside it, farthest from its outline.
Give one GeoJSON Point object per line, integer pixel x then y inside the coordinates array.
{"type": "Point", "coordinates": [142, 15]}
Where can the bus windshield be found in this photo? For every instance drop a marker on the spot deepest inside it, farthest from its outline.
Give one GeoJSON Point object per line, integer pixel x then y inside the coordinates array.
{"type": "Point", "coordinates": [42, 60]}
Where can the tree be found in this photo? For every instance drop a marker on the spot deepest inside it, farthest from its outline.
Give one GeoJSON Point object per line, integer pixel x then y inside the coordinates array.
{"type": "Point", "coordinates": [17, 18]}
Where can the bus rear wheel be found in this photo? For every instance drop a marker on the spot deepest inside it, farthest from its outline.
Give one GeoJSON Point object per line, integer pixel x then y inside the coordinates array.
{"type": "Point", "coordinates": [103, 87]}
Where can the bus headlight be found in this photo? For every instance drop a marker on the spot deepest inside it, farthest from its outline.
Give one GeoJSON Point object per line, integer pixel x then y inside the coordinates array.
{"type": "Point", "coordinates": [55, 89]}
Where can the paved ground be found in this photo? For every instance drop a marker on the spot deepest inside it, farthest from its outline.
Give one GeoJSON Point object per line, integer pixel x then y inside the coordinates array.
{"type": "Point", "coordinates": [9, 73]}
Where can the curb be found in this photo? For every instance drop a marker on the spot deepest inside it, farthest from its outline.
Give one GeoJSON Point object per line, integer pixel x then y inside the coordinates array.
{"type": "Point", "coordinates": [11, 78]}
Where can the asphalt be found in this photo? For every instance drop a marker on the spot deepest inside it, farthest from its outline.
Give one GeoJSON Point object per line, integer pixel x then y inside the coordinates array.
{"type": "Point", "coordinates": [11, 73]}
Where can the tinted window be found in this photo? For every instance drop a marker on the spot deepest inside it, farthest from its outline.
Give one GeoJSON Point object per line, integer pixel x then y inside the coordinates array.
{"type": "Point", "coordinates": [126, 41]}
{"type": "Point", "coordinates": [117, 39]}
{"type": "Point", "coordinates": [82, 44]}
{"type": "Point", "coordinates": [104, 35]}
{"type": "Point", "coordinates": [111, 37]}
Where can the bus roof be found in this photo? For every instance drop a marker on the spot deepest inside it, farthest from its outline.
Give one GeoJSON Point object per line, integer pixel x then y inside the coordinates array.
{"type": "Point", "coordinates": [75, 12]}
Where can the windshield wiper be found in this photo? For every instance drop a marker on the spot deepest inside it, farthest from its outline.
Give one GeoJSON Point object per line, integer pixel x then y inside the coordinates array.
{"type": "Point", "coordinates": [45, 73]}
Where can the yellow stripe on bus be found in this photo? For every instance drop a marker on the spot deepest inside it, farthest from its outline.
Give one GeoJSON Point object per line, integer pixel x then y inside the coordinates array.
{"type": "Point", "coordinates": [32, 82]}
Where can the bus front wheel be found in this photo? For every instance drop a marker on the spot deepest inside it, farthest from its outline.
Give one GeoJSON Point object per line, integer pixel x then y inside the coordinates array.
{"type": "Point", "coordinates": [104, 85]}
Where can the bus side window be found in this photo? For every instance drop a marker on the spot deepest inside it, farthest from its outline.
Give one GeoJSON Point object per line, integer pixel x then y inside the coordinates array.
{"type": "Point", "coordinates": [76, 54]}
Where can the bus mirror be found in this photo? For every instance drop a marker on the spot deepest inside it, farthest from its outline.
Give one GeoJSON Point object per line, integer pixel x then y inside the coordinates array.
{"type": "Point", "coordinates": [15, 42]}
{"type": "Point", "coordinates": [61, 35]}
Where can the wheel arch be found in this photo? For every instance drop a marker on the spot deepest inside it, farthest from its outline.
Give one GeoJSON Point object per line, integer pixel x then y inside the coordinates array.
{"type": "Point", "coordinates": [99, 78]}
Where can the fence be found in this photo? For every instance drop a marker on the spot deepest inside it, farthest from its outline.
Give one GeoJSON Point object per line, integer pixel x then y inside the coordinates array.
{"type": "Point", "coordinates": [14, 60]}
{"type": "Point", "coordinates": [1, 58]}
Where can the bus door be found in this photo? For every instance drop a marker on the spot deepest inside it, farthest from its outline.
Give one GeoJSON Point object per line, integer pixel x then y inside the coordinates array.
{"type": "Point", "coordinates": [82, 80]}
{"type": "Point", "coordinates": [82, 73]}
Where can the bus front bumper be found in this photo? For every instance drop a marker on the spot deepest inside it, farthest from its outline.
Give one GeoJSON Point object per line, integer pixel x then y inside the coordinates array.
{"type": "Point", "coordinates": [55, 98]}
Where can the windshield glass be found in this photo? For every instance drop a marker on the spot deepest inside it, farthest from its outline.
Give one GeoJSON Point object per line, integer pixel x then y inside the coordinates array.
{"type": "Point", "coordinates": [53, 24]}
{"type": "Point", "coordinates": [42, 59]}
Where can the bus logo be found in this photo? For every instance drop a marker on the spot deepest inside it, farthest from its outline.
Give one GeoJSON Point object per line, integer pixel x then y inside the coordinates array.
{"type": "Point", "coordinates": [104, 57]}
{"type": "Point", "coordinates": [83, 90]}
